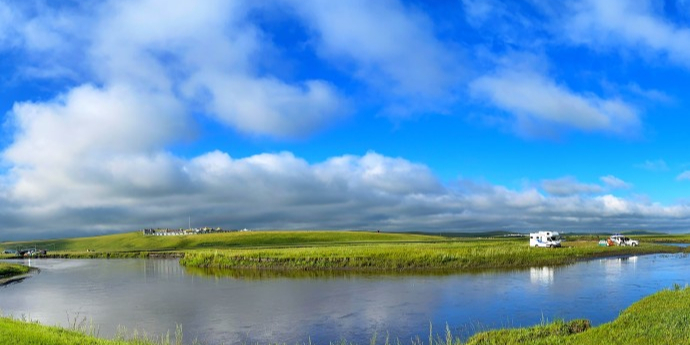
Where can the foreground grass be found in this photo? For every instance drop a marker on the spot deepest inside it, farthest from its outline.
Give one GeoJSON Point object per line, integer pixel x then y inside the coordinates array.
{"type": "Point", "coordinates": [21, 332]}
{"type": "Point", "coordinates": [661, 318]}
{"type": "Point", "coordinates": [11, 270]}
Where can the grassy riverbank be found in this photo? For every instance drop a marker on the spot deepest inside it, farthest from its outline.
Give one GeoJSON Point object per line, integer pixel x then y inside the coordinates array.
{"type": "Point", "coordinates": [18, 332]}
{"type": "Point", "coordinates": [336, 250]}
{"type": "Point", "coordinates": [661, 318]}
{"type": "Point", "coordinates": [11, 270]}
{"type": "Point", "coordinates": [453, 255]}
{"type": "Point", "coordinates": [658, 319]}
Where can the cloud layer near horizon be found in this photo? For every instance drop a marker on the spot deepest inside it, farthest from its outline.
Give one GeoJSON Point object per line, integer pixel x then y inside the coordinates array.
{"type": "Point", "coordinates": [135, 77]}
{"type": "Point", "coordinates": [116, 175]}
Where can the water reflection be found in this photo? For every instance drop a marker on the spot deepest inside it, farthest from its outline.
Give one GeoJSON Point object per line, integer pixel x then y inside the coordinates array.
{"type": "Point", "coordinates": [541, 275]}
{"type": "Point", "coordinates": [154, 268]}
{"type": "Point", "coordinates": [305, 274]}
{"type": "Point", "coordinates": [613, 268]}
{"type": "Point", "coordinates": [231, 306]}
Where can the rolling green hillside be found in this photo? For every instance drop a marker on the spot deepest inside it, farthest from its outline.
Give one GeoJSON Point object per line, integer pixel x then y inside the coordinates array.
{"type": "Point", "coordinates": [136, 241]}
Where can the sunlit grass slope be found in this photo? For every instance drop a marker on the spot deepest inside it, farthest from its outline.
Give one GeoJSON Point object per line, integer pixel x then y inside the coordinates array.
{"type": "Point", "coordinates": [136, 241]}
{"type": "Point", "coordinates": [663, 318]}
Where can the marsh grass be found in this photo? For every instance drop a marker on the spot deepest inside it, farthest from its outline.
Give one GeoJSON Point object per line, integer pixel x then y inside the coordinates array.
{"type": "Point", "coordinates": [466, 255]}
{"type": "Point", "coordinates": [336, 250]}
{"type": "Point", "coordinates": [9, 270]}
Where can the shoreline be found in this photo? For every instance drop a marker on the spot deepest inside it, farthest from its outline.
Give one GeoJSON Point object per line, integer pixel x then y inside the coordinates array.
{"type": "Point", "coordinates": [449, 263]}
{"type": "Point", "coordinates": [347, 251]}
{"type": "Point", "coordinates": [394, 259]}
{"type": "Point", "coordinates": [12, 272]}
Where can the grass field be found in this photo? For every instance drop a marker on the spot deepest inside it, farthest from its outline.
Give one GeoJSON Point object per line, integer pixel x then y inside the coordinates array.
{"type": "Point", "coordinates": [453, 255]}
{"type": "Point", "coordinates": [661, 318]}
{"type": "Point", "coordinates": [337, 250]}
{"type": "Point", "coordinates": [137, 242]}
{"type": "Point", "coordinates": [10, 270]}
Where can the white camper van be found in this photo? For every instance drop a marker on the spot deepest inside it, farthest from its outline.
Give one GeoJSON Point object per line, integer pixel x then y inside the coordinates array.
{"type": "Point", "coordinates": [544, 239]}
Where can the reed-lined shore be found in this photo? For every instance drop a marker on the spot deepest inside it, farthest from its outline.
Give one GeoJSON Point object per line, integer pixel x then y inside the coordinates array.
{"type": "Point", "coordinates": [343, 250]}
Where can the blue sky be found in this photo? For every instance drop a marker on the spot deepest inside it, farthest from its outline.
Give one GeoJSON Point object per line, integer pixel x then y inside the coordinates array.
{"type": "Point", "coordinates": [461, 115]}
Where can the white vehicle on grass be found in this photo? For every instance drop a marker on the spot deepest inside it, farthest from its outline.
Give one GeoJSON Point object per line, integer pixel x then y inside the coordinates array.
{"type": "Point", "coordinates": [545, 239]}
{"type": "Point", "coordinates": [621, 240]}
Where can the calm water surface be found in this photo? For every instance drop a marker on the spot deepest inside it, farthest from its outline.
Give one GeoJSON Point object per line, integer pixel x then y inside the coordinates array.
{"type": "Point", "coordinates": [156, 295]}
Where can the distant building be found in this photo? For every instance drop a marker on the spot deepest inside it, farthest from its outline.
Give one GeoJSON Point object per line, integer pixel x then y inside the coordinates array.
{"type": "Point", "coordinates": [180, 232]}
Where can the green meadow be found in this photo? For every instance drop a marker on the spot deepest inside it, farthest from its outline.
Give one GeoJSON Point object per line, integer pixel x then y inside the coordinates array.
{"type": "Point", "coordinates": [137, 242]}
{"type": "Point", "coordinates": [458, 255]}
{"type": "Point", "coordinates": [340, 250]}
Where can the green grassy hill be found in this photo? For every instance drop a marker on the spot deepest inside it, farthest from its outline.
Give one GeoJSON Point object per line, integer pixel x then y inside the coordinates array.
{"type": "Point", "coordinates": [136, 241]}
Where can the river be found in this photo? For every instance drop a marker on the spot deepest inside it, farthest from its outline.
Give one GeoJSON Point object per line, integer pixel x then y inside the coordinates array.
{"type": "Point", "coordinates": [154, 296]}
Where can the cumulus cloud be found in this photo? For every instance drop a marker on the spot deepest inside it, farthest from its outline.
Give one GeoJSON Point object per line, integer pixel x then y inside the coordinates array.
{"type": "Point", "coordinates": [390, 46]}
{"type": "Point", "coordinates": [71, 146]}
{"type": "Point", "coordinates": [684, 176]}
{"type": "Point", "coordinates": [653, 165]}
{"type": "Point", "coordinates": [505, 23]}
{"type": "Point", "coordinates": [540, 104]}
{"type": "Point", "coordinates": [614, 182]}
{"type": "Point", "coordinates": [113, 174]}
{"type": "Point", "coordinates": [97, 157]}
{"type": "Point", "coordinates": [569, 186]}
{"type": "Point", "coordinates": [207, 56]}
{"type": "Point", "coordinates": [629, 24]}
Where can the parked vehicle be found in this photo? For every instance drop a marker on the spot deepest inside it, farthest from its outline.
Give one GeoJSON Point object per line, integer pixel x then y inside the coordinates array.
{"type": "Point", "coordinates": [10, 251]}
{"type": "Point", "coordinates": [621, 240]}
{"type": "Point", "coordinates": [545, 239]}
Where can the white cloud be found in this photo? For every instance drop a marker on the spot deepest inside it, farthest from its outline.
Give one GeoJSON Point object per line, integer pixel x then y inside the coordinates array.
{"type": "Point", "coordinates": [653, 165]}
{"type": "Point", "coordinates": [614, 205]}
{"type": "Point", "coordinates": [112, 173]}
{"type": "Point", "coordinates": [653, 95]}
{"type": "Point", "coordinates": [8, 26]}
{"type": "Point", "coordinates": [117, 189]}
{"type": "Point", "coordinates": [569, 186]}
{"type": "Point", "coordinates": [684, 176]}
{"type": "Point", "coordinates": [64, 147]}
{"type": "Point", "coordinates": [391, 46]}
{"type": "Point", "coordinates": [206, 56]}
{"type": "Point", "coordinates": [614, 182]}
{"type": "Point", "coordinates": [630, 24]}
{"type": "Point", "coordinates": [214, 49]}
{"type": "Point", "coordinates": [96, 158]}
{"type": "Point", "coordinates": [539, 104]}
